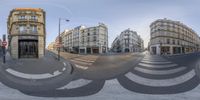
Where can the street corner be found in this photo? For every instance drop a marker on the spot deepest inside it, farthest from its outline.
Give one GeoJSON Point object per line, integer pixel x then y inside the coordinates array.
{"type": "Point", "coordinates": [67, 65]}
{"type": "Point", "coordinates": [28, 80]}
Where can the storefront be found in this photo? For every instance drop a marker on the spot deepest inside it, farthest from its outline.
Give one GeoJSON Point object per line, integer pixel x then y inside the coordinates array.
{"type": "Point", "coordinates": [28, 49]}
{"type": "Point", "coordinates": [165, 50]}
{"type": "Point", "coordinates": [176, 50]}
{"type": "Point", "coordinates": [153, 50]}
{"type": "Point", "coordinates": [95, 50]}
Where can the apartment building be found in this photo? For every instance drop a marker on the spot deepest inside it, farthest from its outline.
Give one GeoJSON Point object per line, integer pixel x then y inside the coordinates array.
{"type": "Point", "coordinates": [128, 41]}
{"type": "Point", "coordinates": [172, 37]}
{"type": "Point", "coordinates": [51, 46]}
{"type": "Point", "coordinates": [26, 32]}
{"type": "Point", "coordinates": [86, 40]}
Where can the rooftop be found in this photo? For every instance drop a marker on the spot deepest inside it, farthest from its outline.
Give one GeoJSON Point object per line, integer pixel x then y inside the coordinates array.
{"type": "Point", "coordinates": [29, 9]}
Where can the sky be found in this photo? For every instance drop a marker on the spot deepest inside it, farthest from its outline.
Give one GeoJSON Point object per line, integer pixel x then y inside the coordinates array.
{"type": "Point", "coordinates": [118, 15]}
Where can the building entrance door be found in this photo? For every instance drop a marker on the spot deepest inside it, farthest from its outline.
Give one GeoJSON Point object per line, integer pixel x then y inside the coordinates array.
{"type": "Point", "coordinates": [28, 49]}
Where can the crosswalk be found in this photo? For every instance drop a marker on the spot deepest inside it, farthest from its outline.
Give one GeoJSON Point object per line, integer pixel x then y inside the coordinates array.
{"type": "Point", "coordinates": [84, 62]}
{"type": "Point", "coordinates": [158, 72]}
{"type": "Point", "coordinates": [80, 61]}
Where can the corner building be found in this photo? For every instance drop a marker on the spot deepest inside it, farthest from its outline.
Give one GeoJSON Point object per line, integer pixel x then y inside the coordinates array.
{"type": "Point", "coordinates": [26, 33]}
{"type": "Point", "coordinates": [172, 37]}
{"type": "Point", "coordinates": [128, 41]}
{"type": "Point", "coordinates": [86, 40]}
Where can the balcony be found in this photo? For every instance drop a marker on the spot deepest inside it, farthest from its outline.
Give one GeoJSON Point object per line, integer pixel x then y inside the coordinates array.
{"type": "Point", "coordinates": [35, 20]}
{"type": "Point", "coordinates": [25, 19]}
{"type": "Point", "coordinates": [22, 19]}
{"type": "Point", "coordinates": [28, 32]}
{"type": "Point", "coordinates": [23, 32]}
{"type": "Point", "coordinates": [33, 32]}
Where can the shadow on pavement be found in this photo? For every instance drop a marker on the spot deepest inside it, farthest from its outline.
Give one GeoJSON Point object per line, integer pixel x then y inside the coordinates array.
{"type": "Point", "coordinates": [135, 87]}
{"type": "Point", "coordinates": [89, 89]}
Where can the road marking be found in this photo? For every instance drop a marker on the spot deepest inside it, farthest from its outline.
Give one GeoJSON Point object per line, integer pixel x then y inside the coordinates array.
{"type": "Point", "coordinates": [88, 61]}
{"type": "Point", "coordinates": [160, 72]}
{"type": "Point", "coordinates": [32, 76]}
{"type": "Point", "coordinates": [76, 84]}
{"type": "Point", "coordinates": [154, 62]}
{"type": "Point", "coordinates": [63, 69]}
{"type": "Point", "coordinates": [163, 82]}
{"type": "Point", "coordinates": [154, 59]}
{"type": "Point", "coordinates": [157, 66]}
{"type": "Point", "coordinates": [81, 67]}
{"type": "Point", "coordinates": [81, 63]}
{"type": "Point", "coordinates": [64, 63]}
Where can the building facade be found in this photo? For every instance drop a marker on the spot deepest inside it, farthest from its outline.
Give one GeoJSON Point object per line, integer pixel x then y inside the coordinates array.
{"type": "Point", "coordinates": [128, 41]}
{"type": "Point", "coordinates": [172, 37]}
{"type": "Point", "coordinates": [86, 40]}
{"type": "Point", "coordinates": [26, 33]}
{"type": "Point", "coordinates": [51, 46]}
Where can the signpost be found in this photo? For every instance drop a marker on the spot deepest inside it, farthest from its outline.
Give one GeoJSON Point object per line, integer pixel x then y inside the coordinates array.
{"type": "Point", "coordinates": [4, 43]}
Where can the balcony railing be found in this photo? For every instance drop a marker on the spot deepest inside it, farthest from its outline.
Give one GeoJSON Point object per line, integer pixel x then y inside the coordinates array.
{"type": "Point", "coordinates": [28, 32]}
{"type": "Point", "coordinates": [33, 20]}
{"type": "Point", "coordinates": [36, 20]}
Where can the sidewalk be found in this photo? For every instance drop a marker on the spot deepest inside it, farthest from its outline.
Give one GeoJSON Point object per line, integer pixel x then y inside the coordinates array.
{"type": "Point", "coordinates": [46, 64]}
{"type": "Point", "coordinates": [41, 74]}
{"type": "Point", "coordinates": [171, 55]}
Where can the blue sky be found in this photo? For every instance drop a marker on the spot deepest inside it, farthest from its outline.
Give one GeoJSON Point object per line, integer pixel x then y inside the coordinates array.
{"type": "Point", "coordinates": [118, 15]}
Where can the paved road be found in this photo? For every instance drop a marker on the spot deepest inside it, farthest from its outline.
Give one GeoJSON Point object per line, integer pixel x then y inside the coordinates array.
{"type": "Point", "coordinates": [163, 76]}
{"type": "Point", "coordinates": [139, 72]}
{"type": "Point", "coordinates": [111, 66]}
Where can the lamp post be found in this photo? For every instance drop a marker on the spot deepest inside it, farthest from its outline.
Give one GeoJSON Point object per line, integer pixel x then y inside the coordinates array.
{"type": "Point", "coordinates": [59, 38]}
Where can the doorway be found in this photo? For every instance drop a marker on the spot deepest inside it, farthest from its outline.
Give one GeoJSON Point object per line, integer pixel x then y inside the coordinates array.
{"type": "Point", "coordinates": [28, 49]}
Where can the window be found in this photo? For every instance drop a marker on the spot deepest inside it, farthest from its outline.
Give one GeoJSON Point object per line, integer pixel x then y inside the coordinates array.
{"type": "Point", "coordinates": [33, 28]}
{"type": "Point", "coordinates": [22, 17]}
{"type": "Point", "coordinates": [168, 41]}
{"type": "Point", "coordinates": [173, 41]}
{"type": "Point", "coordinates": [178, 42]}
{"type": "Point", "coordinates": [22, 28]}
{"type": "Point", "coordinates": [94, 38]}
{"type": "Point", "coordinates": [33, 17]}
{"type": "Point", "coordinates": [126, 42]}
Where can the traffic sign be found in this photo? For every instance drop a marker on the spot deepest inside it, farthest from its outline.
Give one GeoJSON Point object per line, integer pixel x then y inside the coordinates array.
{"type": "Point", "coordinates": [4, 43]}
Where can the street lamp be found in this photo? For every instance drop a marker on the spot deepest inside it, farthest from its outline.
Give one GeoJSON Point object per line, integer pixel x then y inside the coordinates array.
{"type": "Point", "coordinates": [59, 38]}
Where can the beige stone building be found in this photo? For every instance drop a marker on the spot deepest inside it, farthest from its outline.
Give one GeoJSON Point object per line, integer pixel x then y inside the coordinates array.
{"type": "Point", "coordinates": [128, 41]}
{"type": "Point", "coordinates": [86, 40]}
{"type": "Point", "coordinates": [26, 33]}
{"type": "Point", "coordinates": [51, 46]}
{"type": "Point", "coordinates": [172, 37]}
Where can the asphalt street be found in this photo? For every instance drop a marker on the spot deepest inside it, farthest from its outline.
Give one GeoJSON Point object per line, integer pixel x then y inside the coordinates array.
{"type": "Point", "coordinates": [157, 75]}
{"type": "Point", "coordinates": [111, 66]}
{"type": "Point", "coordinates": [136, 72]}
